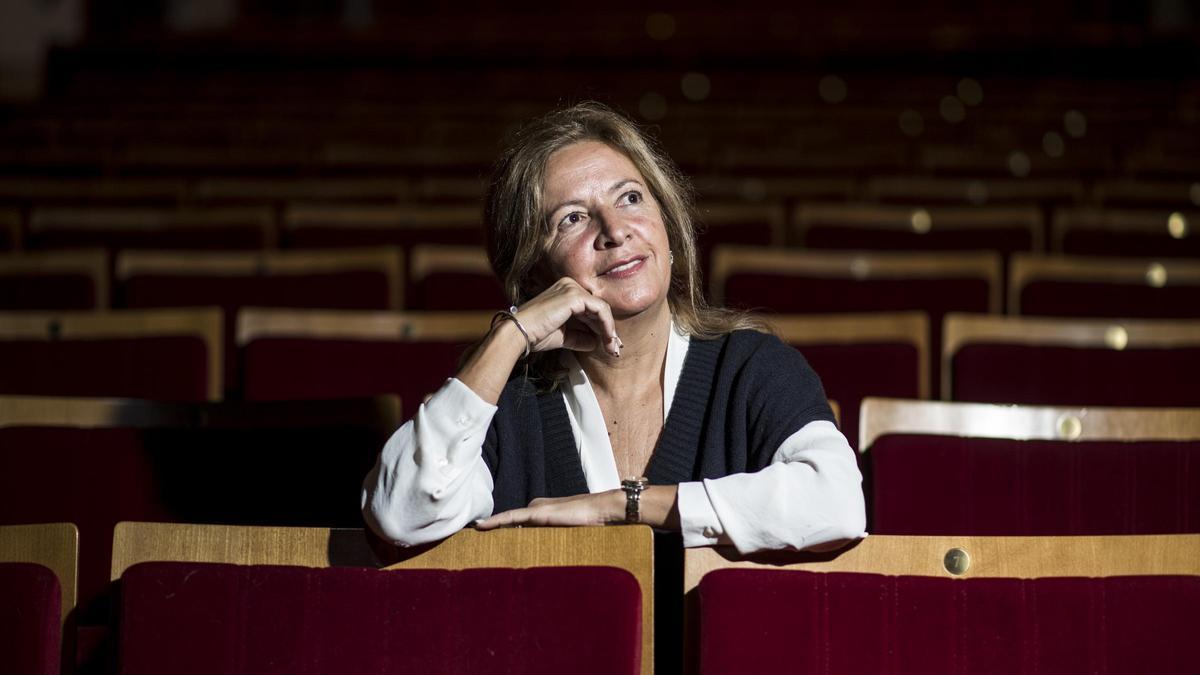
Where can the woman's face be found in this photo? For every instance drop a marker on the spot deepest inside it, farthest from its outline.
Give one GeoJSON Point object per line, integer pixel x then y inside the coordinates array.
{"type": "Point", "coordinates": [606, 231]}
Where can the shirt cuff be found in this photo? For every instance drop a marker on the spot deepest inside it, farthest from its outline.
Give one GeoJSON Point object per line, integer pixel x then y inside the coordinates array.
{"type": "Point", "coordinates": [457, 414]}
{"type": "Point", "coordinates": [698, 521]}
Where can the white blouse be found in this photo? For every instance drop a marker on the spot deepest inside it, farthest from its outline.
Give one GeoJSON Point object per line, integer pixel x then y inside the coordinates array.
{"type": "Point", "coordinates": [431, 480]}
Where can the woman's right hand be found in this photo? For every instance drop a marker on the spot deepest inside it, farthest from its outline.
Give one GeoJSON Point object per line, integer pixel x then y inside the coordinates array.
{"type": "Point", "coordinates": [564, 316]}
{"type": "Point", "coordinates": [567, 316]}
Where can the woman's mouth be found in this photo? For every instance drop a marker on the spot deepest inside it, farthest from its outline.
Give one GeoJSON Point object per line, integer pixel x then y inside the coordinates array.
{"type": "Point", "coordinates": [624, 269]}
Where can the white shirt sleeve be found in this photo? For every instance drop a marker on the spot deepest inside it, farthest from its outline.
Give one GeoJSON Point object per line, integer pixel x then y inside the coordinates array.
{"type": "Point", "coordinates": [430, 480]}
{"type": "Point", "coordinates": [808, 496]}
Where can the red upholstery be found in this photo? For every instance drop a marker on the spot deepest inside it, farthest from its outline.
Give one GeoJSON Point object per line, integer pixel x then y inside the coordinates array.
{"type": "Point", "coordinates": [1141, 245]}
{"type": "Point", "coordinates": [47, 291]}
{"type": "Point", "coordinates": [279, 368]}
{"type": "Point", "coordinates": [1069, 376]}
{"type": "Point", "coordinates": [1065, 298]}
{"type": "Point", "coordinates": [457, 291]}
{"type": "Point", "coordinates": [98, 477]}
{"type": "Point", "coordinates": [207, 237]}
{"type": "Point", "coordinates": [972, 486]}
{"type": "Point", "coordinates": [936, 297]}
{"type": "Point", "coordinates": [162, 368]}
{"type": "Point", "coordinates": [335, 236]}
{"type": "Point", "coordinates": [842, 236]}
{"type": "Point", "coordinates": [774, 621]}
{"type": "Point", "coordinates": [184, 618]}
{"type": "Point", "coordinates": [342, 290]}
{"type": "Point", "coordinates": [853, 371]}
{"type": "Point", "coordinates": [30, 620]}
{"type": "Point", "coordinates": [335, 290]}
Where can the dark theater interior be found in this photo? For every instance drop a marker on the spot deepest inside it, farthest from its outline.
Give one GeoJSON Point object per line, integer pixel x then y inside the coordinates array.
{"type": "Point", "coordinates": [242, 242]}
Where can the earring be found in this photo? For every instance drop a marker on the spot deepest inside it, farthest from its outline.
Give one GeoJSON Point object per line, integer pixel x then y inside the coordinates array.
{"type": "Point", "coordinates": [671, 257]}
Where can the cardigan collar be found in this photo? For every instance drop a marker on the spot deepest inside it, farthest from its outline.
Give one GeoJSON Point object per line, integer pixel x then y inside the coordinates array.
{"type": "Point", "coordinates": [674, 458]}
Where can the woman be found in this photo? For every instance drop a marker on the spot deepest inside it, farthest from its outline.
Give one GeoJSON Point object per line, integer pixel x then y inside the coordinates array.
{"type": "Point", "coordinates": [590, 230]}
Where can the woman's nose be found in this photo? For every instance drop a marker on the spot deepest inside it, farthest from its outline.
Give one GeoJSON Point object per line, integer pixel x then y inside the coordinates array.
{"type": "Point", "coordinates": [613, 230]}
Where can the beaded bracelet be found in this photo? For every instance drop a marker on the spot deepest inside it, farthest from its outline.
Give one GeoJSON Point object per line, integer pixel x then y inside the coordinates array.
{"type": "Point", "coordinates": [511, 315]}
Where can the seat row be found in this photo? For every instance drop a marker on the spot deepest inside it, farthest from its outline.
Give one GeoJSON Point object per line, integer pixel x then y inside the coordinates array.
{"type": "Point", "coordinates": [763, 220]}
{"type": "Point", "coordinates": [444, 277]}
{"type": "Point", "coordinates": [931, 467]}
{"type": "Point", "coordinates": [204, 599]}
{"type": "Point", "coordinates": [288, 354]}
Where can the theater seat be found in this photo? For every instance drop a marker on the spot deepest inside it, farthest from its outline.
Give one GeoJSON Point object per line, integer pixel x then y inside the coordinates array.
{"type": "Point", "coordinates": [359, 225]}
{"type": "Point", "coordinates": [295, 354]}
{"type": "Point", "coordinates": [453, 278]}
{"type": "Point", "coordinates": [1162, 232]}
{"type": "Point", "coordinates": [521, 600]}
{"type": "Point", "coordinates": [53, 280]}
{"type": "Point", "coordinates": [1051, 361]}
{"type": "Point", "coordinates": [950, 605]}
{"type": "Point", "coordinates": [1127, 288]}
{"type": "Point", "coordinates": [165, 354]}
{"type": "Point", "coordinates": [334, 279]}
{"type": "Point", "coordinates": [859, 355]}
{"type": "Point", "coordinates": [817, 282]}
{"type": "Point", "coordinates": [980, 469]}
{"type": "Point", "coordinates": [37, 582]}
{"type": "Point", "coordinates": [95, 462]}
{"type": "Point", "coordinates": [128, 227]}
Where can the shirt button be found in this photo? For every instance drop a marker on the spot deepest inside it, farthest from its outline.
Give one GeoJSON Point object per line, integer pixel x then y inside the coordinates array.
{"type": "Point", "coordinates": [462, 420]}
{"type": "Point", "coordinates": [443, 462]}
{"type": "Point", "coordinates": [709, 533]}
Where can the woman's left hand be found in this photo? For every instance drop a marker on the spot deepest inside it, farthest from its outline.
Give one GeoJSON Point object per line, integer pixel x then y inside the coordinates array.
{"type": "Point", "coordinates": [600, 508]}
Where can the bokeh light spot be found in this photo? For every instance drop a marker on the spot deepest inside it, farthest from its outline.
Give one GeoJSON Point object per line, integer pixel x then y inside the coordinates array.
{"type": "Point", "coordinates": [970, 91]}
{"type": "Point", "coordinates": [1052, 144]}
{"type": "Point", "coordinates": [911, 123]}
{"type": "Point", "coordinates": [660, 26]}
{"type": "Point", "coordinates": [921, 221]}
{"type": "Point", "coordinates": [832, 89]}
{"type": "Point", "coordinates": [1075, 124]}
{"type": "Point", "coordinates": [1177, 225]}
{"type": "Point", "coordinates": [952, 109]}
{"type": "Point", "coordinates": [695, 86]}
{"type": "Point", "coordinates": [1019, 164]}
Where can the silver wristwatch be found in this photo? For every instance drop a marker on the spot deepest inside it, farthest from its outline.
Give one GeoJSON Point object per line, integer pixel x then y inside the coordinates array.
{"type": "Point", "coordinates": [633, 498]}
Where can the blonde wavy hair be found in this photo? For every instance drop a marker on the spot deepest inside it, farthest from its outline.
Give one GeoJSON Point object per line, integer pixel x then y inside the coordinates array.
{"type": "Point", "coordinates": [518, 227]}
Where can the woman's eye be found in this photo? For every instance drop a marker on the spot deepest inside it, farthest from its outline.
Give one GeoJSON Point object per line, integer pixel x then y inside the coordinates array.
{"type": "Point", "coordinates": [571, 219]}
{"type": "Point", "coordinates": [633, 197]}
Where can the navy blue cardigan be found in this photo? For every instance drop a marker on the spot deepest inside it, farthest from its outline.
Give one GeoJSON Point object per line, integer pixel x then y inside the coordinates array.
{"type": "Point", "coordinates": [738, 398]}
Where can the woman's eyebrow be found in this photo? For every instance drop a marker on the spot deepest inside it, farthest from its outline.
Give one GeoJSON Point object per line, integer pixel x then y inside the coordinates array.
{"type": "Point", "coordinates": [623, 183]}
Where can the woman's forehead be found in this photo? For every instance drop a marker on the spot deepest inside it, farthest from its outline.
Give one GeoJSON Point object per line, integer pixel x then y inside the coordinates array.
{"type": "Point", "coordinates": [584, 160]}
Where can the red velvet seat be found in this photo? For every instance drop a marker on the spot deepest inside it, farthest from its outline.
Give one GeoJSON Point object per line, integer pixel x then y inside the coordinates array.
{"type": "Point", "coordinates": [30, 620]}
{"type": "Point", "coordinates": [762, 621]}
{"type": "Point", "coordinates": [291, 354]}
{"type": "Point", "coordinates": [907, 228]}
{"type": "Point", "coordinates": [860, 355]}
{"type": "Point", "coordinates": [1105, 287]}
{"type": "Point", "coordinates": [117, 228]}
{"type": "Point", "coordinates": [209, 618]}
{"type": "Point", "coordinates": [352, 225]}
{"type": "Point", "coordinates": [453, 278]}
{"type": "Point", "coordinates": [98, 462]}
{"type": "Point", "coordinates": [1163, 233]}
{"type": "Point", "coordinates": [1050, 361]}
{"type": "Point", "coordinates": [173, 355]}
{"type": "Point", "coordinates": [54, 280]}
{"type": "Point", "coordinates": [840, 282]}
{"type": "Point", "coordinates": [973, 469]}
{"type": "Point", "coordinates": [342, 279]}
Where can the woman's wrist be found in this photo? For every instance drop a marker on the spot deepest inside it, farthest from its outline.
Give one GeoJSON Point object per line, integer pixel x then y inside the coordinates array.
{"type": "Point", "coordinates": [486, 371]}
